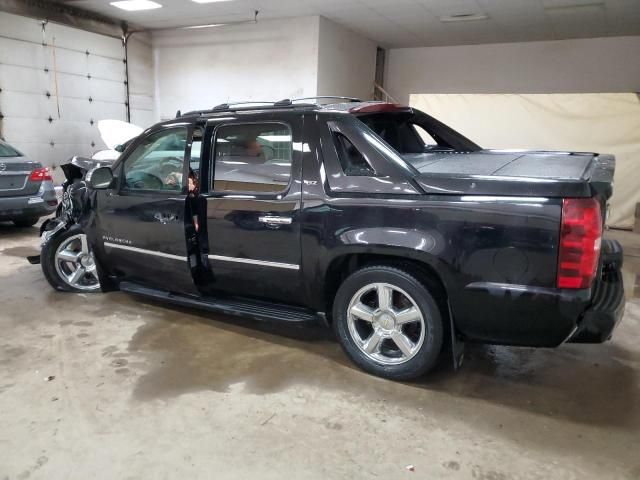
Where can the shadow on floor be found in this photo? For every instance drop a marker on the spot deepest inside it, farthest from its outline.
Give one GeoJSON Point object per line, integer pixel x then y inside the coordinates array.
{"type": "Point", "coordinates": [586, 384]}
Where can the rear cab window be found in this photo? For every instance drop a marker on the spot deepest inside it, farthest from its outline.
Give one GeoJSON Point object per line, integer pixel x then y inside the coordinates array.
{"type": "Point", "coordinates": [424, 136]}
{"type": "Point", "coordinates": [357, 160]}
{"type": "Point", "coordinates": [414, 132]}
{"type": "Point", "coordinates": [396, 130]}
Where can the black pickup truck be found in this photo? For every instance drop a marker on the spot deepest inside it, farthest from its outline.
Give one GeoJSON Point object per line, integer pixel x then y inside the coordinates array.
{"type": "Point", "coordinates": [373, 218]}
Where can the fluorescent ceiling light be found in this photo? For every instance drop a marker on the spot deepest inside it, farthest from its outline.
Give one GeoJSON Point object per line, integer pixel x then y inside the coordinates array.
{"type": "Point", "coordinates": [135, 5]}
{"type": "Point", "coordinates": [210, 1]}
{"type": "Point", "coordinates": [561, 4]}
{"type": "Point", "coordinates": [464, 17]}
{"type": "Point", "coordinates": [209, 25]}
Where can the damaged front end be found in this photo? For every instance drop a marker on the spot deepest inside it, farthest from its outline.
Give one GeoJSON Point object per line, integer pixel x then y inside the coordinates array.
{"type": "Point", "coordinates": [75, 202]}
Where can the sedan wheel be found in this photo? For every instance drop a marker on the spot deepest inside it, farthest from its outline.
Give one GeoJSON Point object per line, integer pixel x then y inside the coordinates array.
{"type": "Point", "coordinates": [75, 264]}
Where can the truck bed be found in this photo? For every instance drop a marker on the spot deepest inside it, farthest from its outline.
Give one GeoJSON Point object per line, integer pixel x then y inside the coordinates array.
{"type": "Point", "coordinates": [492, 172]}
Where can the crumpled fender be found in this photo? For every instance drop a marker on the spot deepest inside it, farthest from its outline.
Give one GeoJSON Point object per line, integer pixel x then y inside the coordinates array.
{"type": "Point", "coordinates": [48, 225]}
{"type": "Point", "coordinates": [48, 229]}
{"type": "Point", "coordinates": [79, 199]}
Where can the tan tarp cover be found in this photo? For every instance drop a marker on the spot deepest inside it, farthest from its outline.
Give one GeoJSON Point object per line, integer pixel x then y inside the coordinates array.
{"type": "Point", "coordinates": [592, 122]}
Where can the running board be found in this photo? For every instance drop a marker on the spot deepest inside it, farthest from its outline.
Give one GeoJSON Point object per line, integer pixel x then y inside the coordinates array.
{"type": "Point", "coordinates": [256, 310]}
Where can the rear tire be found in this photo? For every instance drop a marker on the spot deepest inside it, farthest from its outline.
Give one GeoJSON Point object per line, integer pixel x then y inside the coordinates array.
{"type": "Point", "coordinates": [25, 222]}
{"type": "Point", "coordinates": [388, 323]}
{"type": "Point", "coordinates": [67, 262]}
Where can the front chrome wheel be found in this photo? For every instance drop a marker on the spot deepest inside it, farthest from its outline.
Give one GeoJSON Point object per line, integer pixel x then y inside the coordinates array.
{"type": "Point", "coordinates": [385, 323]}
{"type": "Point", "coordinates": [75, 263]}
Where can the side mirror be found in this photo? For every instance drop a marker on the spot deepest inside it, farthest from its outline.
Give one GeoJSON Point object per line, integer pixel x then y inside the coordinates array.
{"type": "Point", "coordinates": [99, 178]}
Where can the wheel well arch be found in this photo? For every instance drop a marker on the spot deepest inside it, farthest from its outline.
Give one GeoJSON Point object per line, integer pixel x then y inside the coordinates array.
{"type": "Point", "coordinates": [344, 265]}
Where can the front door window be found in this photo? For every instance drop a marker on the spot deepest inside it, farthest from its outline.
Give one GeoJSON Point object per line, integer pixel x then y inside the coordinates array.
{"type": "Point", "coordinates": [157, 163]}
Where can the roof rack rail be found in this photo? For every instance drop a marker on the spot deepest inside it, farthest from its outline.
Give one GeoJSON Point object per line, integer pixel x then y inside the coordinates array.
{"type": "Point", "coordinates": [247, 105]}
{"type": "Point", "coordinates": [192, 112]}
{"type": "Point", "coordinates": [228, 105]}
{"type": "Point", "coordinates": [324, 97]}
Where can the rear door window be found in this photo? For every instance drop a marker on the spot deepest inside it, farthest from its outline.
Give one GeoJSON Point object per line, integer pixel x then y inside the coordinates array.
{"type": "Point", "coordinates": [252, 157]}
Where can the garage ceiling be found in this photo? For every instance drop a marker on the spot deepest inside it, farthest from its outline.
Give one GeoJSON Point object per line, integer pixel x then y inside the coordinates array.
{"type": "Point", "coordinates": [407, 23]}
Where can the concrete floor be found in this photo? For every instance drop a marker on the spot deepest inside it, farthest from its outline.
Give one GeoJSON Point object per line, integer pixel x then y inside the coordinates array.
{"type": "Point", "coordinates": [109, 386]}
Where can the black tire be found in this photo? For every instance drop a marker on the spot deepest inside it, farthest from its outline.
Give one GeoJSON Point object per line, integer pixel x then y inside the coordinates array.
{"type": "Point", "coordinates": [426, 357]}
{"type": "Point", "coordinates": [47, 261]}
{"type": "Point", "coordinates": [25, 222]}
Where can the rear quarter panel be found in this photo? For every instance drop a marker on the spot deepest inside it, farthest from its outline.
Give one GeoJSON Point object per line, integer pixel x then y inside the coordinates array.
{"type": "Point", "coordinates": [495, 255]}
{"type": "Point", "coordinates": [486, 251]}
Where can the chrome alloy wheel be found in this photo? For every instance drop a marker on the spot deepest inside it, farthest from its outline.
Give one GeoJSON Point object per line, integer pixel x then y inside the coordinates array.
{"type": "Point", "coordinates": [386, 323]}
{"type": "Point", "coordinates": [75, 263]}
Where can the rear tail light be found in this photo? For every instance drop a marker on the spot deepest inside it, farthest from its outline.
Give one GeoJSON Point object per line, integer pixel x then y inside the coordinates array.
{"type": "Point", "coordinates": [40, 174]}
{"type": "Point", "coordinates": [580, 240]}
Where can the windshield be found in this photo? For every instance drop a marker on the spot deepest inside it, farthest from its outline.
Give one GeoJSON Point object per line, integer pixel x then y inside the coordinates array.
{"type": "Point", "coordinates": [7, 150]}
{"type": "Point", "coordinates": [412, 132]}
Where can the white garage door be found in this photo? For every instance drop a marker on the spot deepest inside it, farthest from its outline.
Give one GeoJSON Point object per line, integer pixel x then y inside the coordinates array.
{"type": "Point", "coordinates": [56, 82]}
{"type": "Point", "coordinates": [588, 122]}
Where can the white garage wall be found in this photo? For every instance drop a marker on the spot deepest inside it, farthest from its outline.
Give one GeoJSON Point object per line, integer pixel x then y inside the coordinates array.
{"type": "Point", "coordinates": [168, 71]}
{"type": "Point", "coordinates": [141, 80]}
{"type": "Point", "coordinates": [198, 69]}
{"type": "Point", "coordinates": [52, 95]}
{"type": "Point", "coordinates": [564, 66]}
{"type": "Point", "coordinates": [56, 84]}
{"type": "Point", "coordinates": [591, 122]}
{"type": "Point", "coordinates": [346, 62]}
{"type": "Point", "coordinates": [270, 60]}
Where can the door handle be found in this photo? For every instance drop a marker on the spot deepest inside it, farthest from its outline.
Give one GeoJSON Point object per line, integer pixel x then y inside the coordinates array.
{"type": "Point", "coordinates": [271, 220]}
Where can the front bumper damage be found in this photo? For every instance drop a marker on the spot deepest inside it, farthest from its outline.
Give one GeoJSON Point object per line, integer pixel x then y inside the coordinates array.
{"type": "Point", "coordinates": [48, 229]}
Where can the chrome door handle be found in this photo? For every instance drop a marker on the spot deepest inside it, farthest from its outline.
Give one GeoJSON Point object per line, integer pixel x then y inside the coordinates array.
{"type": "Point", "coordinates": [275, 220]}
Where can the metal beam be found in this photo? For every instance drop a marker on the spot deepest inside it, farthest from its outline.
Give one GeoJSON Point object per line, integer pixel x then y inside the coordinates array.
{"type": "Point", "coordinates": [57, 12]}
